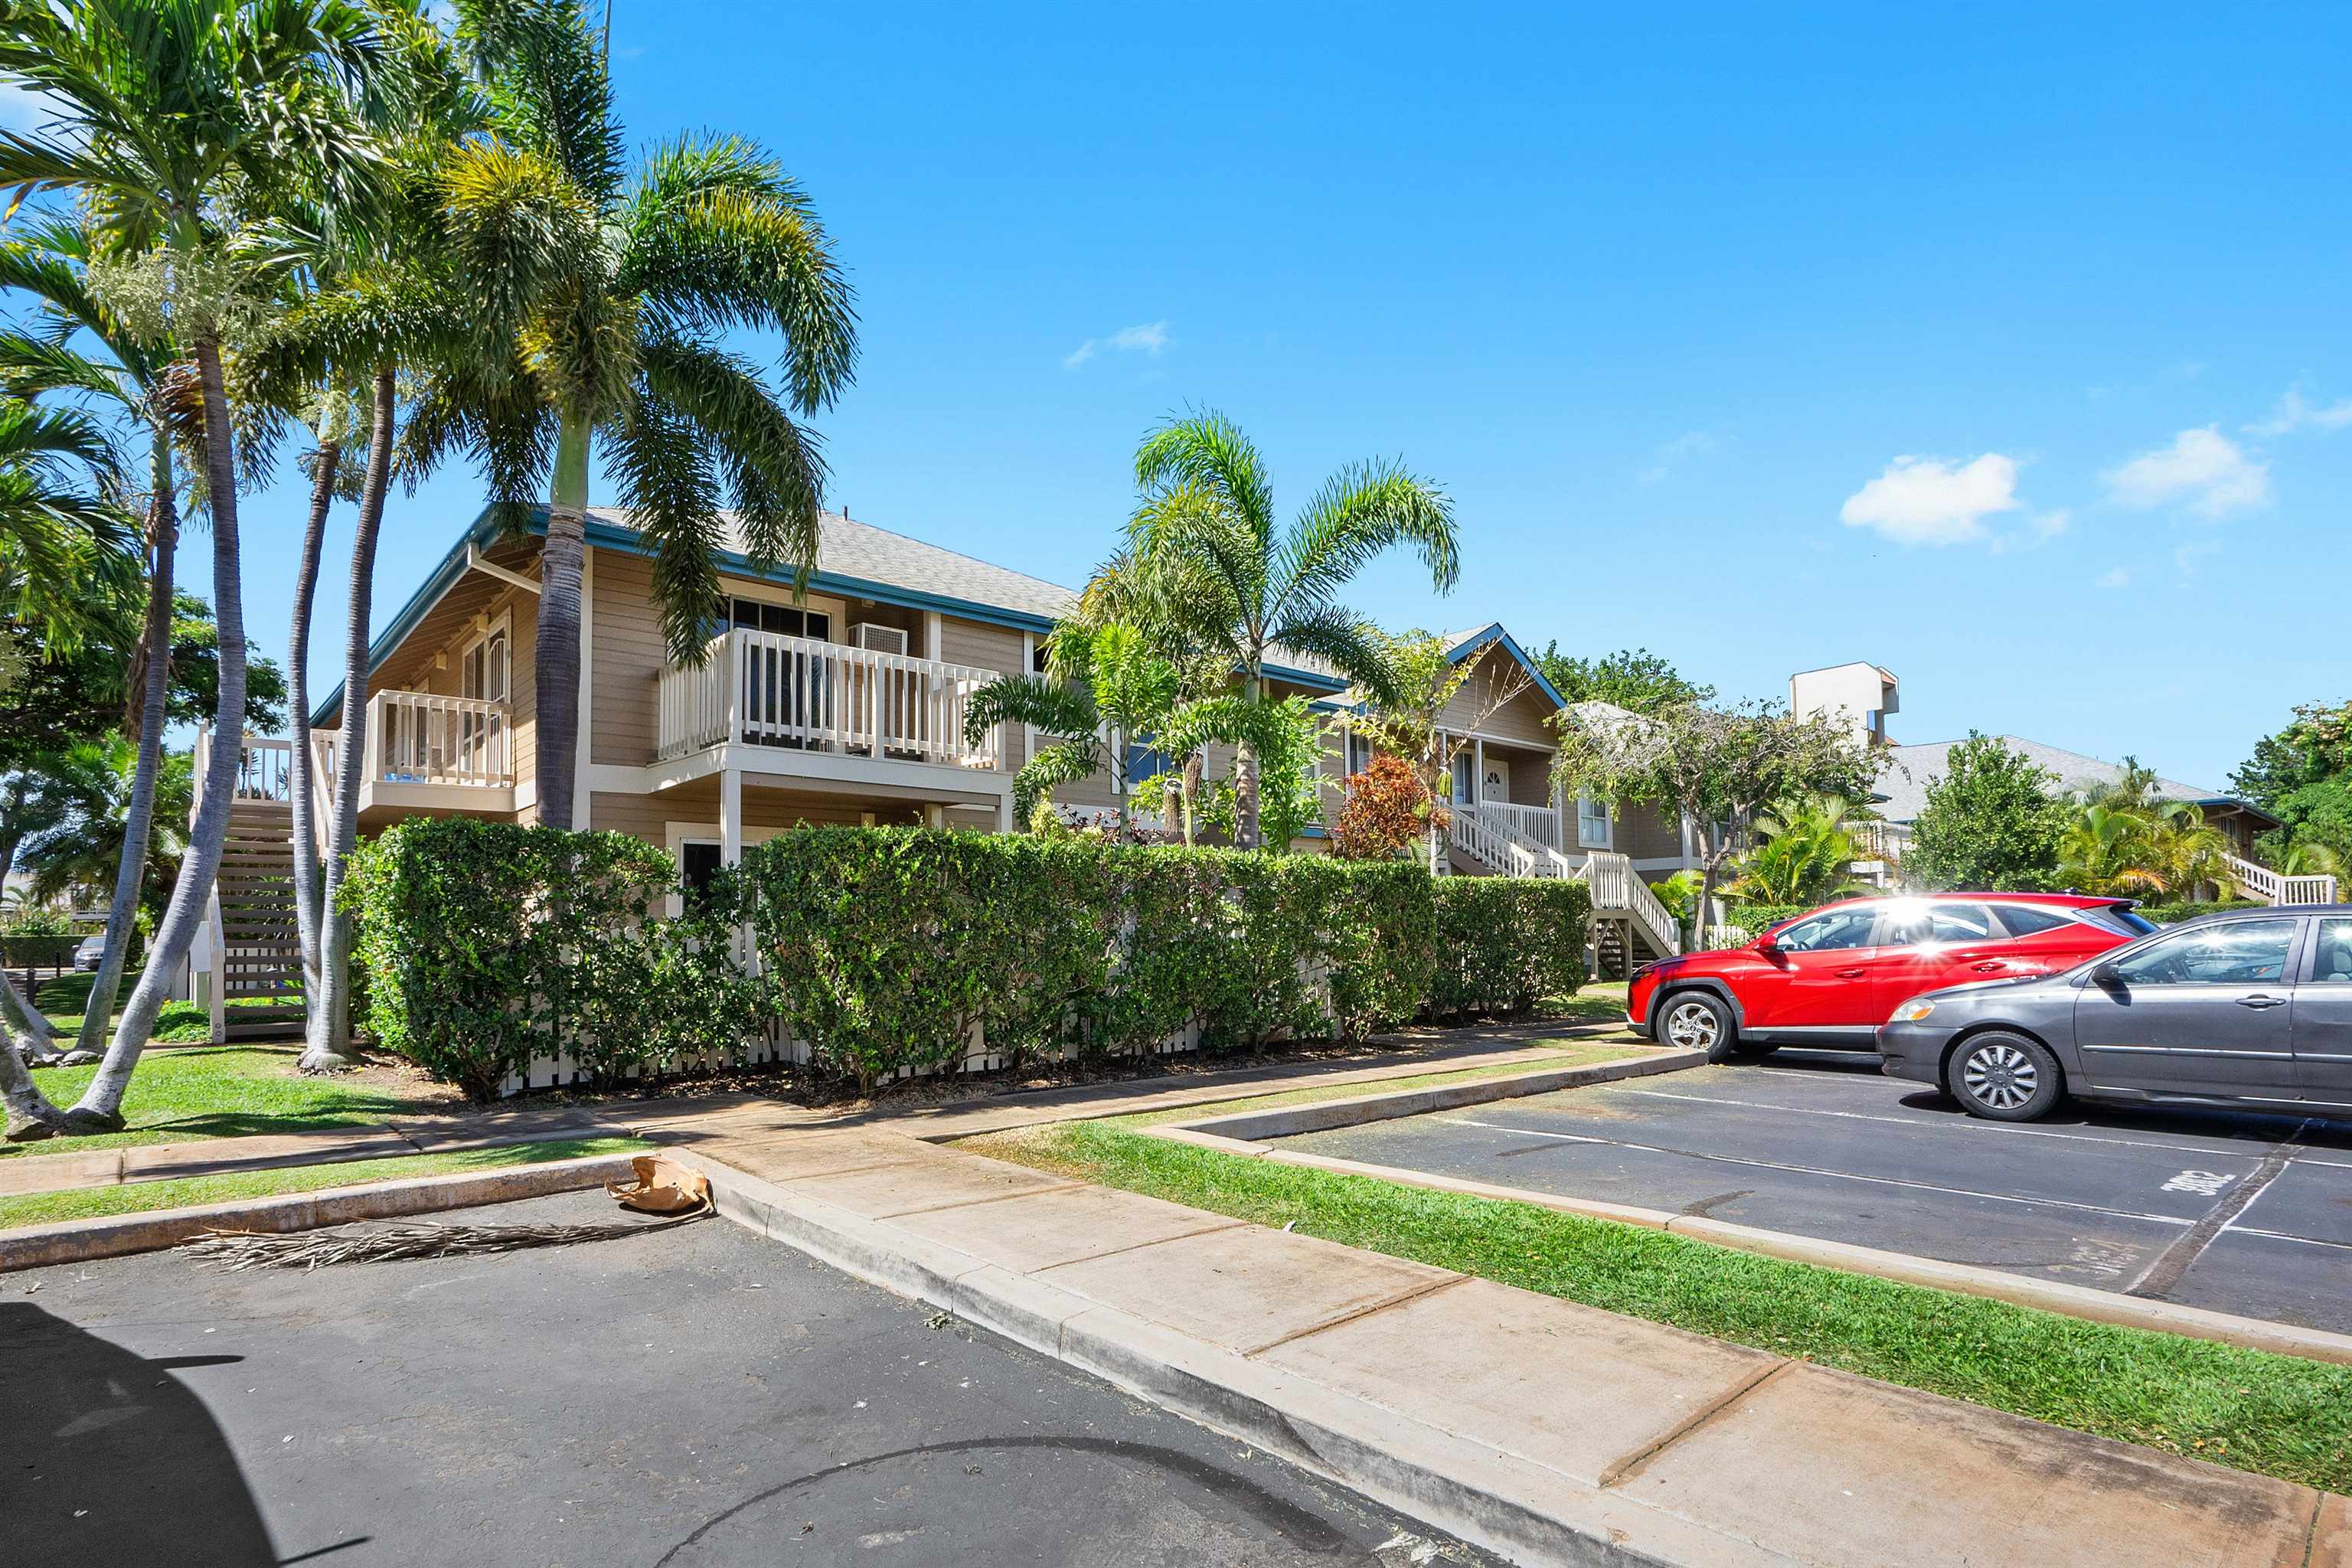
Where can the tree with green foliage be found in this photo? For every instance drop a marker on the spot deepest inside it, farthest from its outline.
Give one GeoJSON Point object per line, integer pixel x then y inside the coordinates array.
{"type": "Point", "coordinates": [1716, 768]}
{"type": "Point", "coordinates": [1802, 855]}
{"type": "Point", "coordinates": [171, 122]}
{"type": "Point", "coordinates": [2303, 776]}
{"type": "Point", "coordinates": [1633, 678]}
{"type": "Point", "coordinates": [619, 285]}
{"type": "Point", "coordinates": [1990, 823]}
{"type": "Point", "coordinates": [1411, 723]}
{"type": "Point", "coordinates": [1207, 512]}
{"type": "Point", "coordinates": [1103, 690]}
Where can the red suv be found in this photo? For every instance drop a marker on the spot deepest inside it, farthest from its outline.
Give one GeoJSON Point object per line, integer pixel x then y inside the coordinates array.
{"type": "Point", "coordinates": [1830, 977]}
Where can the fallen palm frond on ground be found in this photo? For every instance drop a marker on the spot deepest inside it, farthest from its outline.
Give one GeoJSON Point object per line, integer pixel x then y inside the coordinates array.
{"type": "Point", "coordinates": [308, 1249]}
{"type": "Point", "coordinates": [663, 1187]}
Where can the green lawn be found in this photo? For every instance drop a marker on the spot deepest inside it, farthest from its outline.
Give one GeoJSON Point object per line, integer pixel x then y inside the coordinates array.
{"type": "Point", "coordinates": [2277, 1415]}
{"type": "Point", "coordinates": [226, 1091]}
{"type": "Point", "coordinates": [92, 1203]}
{"type": "Point", "coordinates": [1601, 1002]}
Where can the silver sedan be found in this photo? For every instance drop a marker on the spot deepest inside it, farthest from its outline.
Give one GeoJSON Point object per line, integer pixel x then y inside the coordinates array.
{"type": "Point", "coordinates": [2249, 1007]}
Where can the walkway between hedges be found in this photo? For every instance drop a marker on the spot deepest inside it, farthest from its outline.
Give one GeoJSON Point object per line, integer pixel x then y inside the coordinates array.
{"type": "Point", "coordinates": [689, 1119]}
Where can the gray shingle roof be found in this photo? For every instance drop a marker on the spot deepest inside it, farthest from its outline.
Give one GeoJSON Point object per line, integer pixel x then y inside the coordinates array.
{"type": "Point", "coordinates": [870, 554]}
{"type": "Point", "coordinates": [1904, 783]}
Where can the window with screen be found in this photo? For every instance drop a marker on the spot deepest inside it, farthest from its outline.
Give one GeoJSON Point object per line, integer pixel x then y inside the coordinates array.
{"type": "Point", "coordinates": [1592, 823]}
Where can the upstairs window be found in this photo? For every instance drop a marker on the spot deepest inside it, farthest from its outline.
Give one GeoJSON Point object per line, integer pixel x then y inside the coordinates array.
{"type": "Point", "coordinates": [1592, 823]}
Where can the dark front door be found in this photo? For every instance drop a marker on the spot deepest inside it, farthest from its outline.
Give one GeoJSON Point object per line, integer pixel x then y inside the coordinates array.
{"type": "Point", "coordinates": [2322, 1016]}
{"type": "Point", "coordinates": [2206, 1010]}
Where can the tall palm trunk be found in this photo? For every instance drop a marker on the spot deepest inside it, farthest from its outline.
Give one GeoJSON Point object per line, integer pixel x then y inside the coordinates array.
{"type": "Point", "coordinates": [139, 817]}
{"type": "Point", "coordinates": [555, 664]}
{"type": "Point", "coordinates": [329, 1028]}
{"type": "Point", "coordinates": [1245, 778]}
{"type": "Point", "coordinates": [22, 1026]}
{"type": "Point", "coordinates": [1193, 765]}
{"type": "Point", "coordinates": [325, 462]}
{"type": "Point", "coordinates": [100, 1108]}
{"type": "Point", "coordinates": [30, 1114]}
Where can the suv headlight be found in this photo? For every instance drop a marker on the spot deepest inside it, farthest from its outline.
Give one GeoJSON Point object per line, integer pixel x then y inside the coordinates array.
{"type": "Point", "coordinates": [1914, 1010]}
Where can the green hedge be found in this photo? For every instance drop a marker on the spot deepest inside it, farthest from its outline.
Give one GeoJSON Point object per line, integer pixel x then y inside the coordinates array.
{"type": "Point", "coordinates": [2173, 914]}
{"type": "Point", "coordinates": [1753, 918]}
{"type": "Point", "coordinates": [487, 946]}
{"type": "Point", "coordinates": [1505, 944]}
{"type": "Point", "coordinates": [37, 950]}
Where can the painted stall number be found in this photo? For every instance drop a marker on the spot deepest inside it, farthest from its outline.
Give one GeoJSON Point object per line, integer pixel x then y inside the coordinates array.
{"type": "Point", "coordinates": [2204, 1183]}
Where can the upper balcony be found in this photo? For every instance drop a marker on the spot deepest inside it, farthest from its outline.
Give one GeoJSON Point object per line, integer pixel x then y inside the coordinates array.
{"type": "Point", "coordinates": [824, 707]}
{"type": "Point", "coordinates": [424, 756]}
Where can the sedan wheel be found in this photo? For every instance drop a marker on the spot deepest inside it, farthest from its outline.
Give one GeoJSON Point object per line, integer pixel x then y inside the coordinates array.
{"type": "Point", "coordinates": [1697, 1022]}
{"type": "Point", "coordinates": [2005, 1077]}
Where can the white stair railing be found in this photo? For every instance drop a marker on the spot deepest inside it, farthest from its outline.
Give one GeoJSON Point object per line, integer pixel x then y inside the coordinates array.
{"type": "Point", "coordinates": [763, 689]}
{"type": "Point", "coordinates": [2277, 887]}
{"type": "Point", "coordinates": [1618, 889]}
{"type": "Point", "coordinates": [1539, 824]}
{"type": "Point", "coordinates": [1490, 844]}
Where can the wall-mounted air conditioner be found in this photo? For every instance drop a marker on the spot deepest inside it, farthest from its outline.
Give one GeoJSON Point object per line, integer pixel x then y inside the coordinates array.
{"type": "Point", "coordinates": [878, 638]}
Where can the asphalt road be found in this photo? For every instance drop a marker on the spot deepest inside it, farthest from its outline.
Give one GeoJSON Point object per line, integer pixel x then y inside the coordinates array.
{"type": "Point", "coordinates": [2246, 1214]}
{"type": "Point", "coordinates": [698, 1399]}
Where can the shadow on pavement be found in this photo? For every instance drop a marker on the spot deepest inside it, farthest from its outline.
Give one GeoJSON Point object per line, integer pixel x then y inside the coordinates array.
{"type": "Point", "coordinates": [113, 1460]}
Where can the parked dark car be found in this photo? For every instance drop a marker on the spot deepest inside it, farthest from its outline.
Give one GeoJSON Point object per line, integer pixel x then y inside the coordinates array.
{"type": "Point", "coordinates": [90, 954]}
{"type": "Point", "coordinates": [2249, 1007]}
{"type": "Point", "coordinates": [1830, 977]}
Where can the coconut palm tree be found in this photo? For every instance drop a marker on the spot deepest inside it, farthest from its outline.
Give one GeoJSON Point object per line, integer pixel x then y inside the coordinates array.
{"type": "Point", "coordinates": [72, 346]}
{"type": "Point", "coordinates": [99, 782]}
{"type": "Point", "coordinates": [1207, 509]}
{"type": "Point", "coordinates": [619, 286]}
{"type": "Point", "coordinates": [2106, 850]}
{"type": "Point", "coordinates": [168, 117]}
{"type": "Point", "coordinates": [1103, 688]}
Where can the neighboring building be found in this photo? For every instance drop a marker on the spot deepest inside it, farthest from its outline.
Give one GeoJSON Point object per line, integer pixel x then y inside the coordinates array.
{"type": "Point", "coordinates": [1860, 696]}
{"type": "Point", "coordinates": [1911, 770]}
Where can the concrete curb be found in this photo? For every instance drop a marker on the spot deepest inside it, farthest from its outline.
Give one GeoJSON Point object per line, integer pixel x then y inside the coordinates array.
{"type": "Point", "coordinates": [1497, 1499]}
{"type": "Point", "coordinates": [76, 1241]}
{"type": "Point", "coordinates": [1965, 1279]}
{"type": "Point", "coordinates": [1317, 1116]}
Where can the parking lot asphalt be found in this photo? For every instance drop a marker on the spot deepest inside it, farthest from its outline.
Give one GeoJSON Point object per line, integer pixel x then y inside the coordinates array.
{"type": "Point", "coordinates": [2245, 1214]}
{"type": "Point", "coordinates": [700, 1397]}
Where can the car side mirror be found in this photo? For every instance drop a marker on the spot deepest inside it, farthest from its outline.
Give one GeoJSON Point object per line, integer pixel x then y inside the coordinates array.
{"type": "Point", "coordinates": [2108, 975]}
{"type": "Point", "coordinates": [1768, 947]}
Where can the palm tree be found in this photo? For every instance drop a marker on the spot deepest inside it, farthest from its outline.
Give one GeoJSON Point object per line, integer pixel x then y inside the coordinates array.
{"type": "Point", "coordinates": [73, 346]}
{"type": "Point", "coordinates": [2186, 851]}
{"type": "Point", "coordinates": [1104, 689]}
{"type": "Point", "coordinates": [619, 288]}
{"type": "Point", "coordinates": [33, 802]}
{"type": "Point", "coordinates": [2107, 851]}
{"type": "Point", "coordinates": [169, 117]}
{"type": "Point", "coordinates": [1803, 856]}
{"type": "Point", "coordinates": [1207, 510]}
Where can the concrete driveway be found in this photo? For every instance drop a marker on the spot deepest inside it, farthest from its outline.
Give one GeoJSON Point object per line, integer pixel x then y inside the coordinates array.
{"type": "Point", "coordinates": [2243, 1214]}
{"type": "Point", "coordinates": [696, 1398]}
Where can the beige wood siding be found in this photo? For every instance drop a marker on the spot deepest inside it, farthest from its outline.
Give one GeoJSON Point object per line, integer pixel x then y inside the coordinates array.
{"type": "Point", "coordinates": [1645, 834]}
{"type": "Point", "coordinates": [626, 661]}
{"type": "Point", "coordinates": [981, 647]}
{"type": "Point", "coordinates": [1525, 718]}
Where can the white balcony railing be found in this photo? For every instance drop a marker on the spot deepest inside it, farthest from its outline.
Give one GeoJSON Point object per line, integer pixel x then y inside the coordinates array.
{"type": "Point", "coordinates": [2277, 887]}
{"type": "Point", "coordinates": [761, 689]}
{"type": "Point", "coordinates": [1540, 824]}
{"type": "Point", "coordinates": [416, 738]}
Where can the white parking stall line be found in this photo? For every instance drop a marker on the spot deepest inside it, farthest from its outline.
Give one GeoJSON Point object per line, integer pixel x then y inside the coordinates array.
{"type": "Point", "coordinates": [1821, 1171]}
{"type": "Point", "coordinates": [1951, 1124]}
{"type": "Point", "coordinates": [2287, 1236]}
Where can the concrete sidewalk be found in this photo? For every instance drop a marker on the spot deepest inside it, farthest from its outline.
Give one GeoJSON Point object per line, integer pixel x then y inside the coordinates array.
{"type": "Point", "coordinates": [1552, 1432]}
{"type": "Point", "coordinates": [689, 1118]}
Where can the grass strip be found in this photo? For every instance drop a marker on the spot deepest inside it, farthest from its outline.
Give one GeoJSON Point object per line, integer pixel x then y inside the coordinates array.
{"type": "Point", "coordinates": [215, 1091]}
{"type": "Point", "coordinates": [186, 1192]}
{"type": "Point", "coordinates": [1575, 1056]}
{"type": "Point", "coordinates": [2273, 1414]}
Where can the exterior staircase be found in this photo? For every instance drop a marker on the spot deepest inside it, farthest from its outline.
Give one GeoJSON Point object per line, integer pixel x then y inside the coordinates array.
{"type": "Point", "coordinates": [252, 948]}
{"type": "Point", "coordinates": [1630, 926]}
{"type": "Point", "coordinates": [2276, 888]}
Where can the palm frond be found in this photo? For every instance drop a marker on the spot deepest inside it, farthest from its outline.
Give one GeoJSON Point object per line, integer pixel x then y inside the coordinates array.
{"type": "Point", "coordinates": [774, 470]}
{"type": "Point", "coordinates": [1053, 706]}
{"type": "Point", "coordinates": [1205, 450]}
{"type": "Point", "coordinates": [1362, 511]}
{"type": "Point", "coordinates": [663, 473]}
{"type": "Point", "coordinates": [1347, 642]}
{"type": "Point", "coordinates": [542, 69]}
{"type": "Point", "coordinates": [1052, 767]}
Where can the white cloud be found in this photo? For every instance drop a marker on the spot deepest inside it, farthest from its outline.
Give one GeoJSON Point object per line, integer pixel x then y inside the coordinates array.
{"type": "Point", "coordinates": [1671, 455]}
{"type": "Point", "coordinates": [2116, 577]}
{"type": "Point", "coordinates": [2203, 470]}
{"type": "Point", "coordinates": [1150, 338]}
{"type": "Point", "coordinates": [1927, 500]}
{"type": "Point", "coordinates": [2294, 414]}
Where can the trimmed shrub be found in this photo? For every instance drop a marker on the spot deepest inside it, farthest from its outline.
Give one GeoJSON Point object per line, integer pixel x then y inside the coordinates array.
{"type": "Point", "coordinates": [488, 945]}
{"type": "Point", "coordinates": [1754, 918]}
{"type": "Point", "coordinates": [1505, 944]}
{"type": "Point", "coordinates": [2173, 914]}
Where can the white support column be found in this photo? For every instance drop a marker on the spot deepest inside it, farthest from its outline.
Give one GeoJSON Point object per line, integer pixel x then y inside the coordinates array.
{"type": "Point", "coordinates": [1004, 813]}
{"type": "Point", "coordinates": [932, 637]}
{"type": "Point", "coordinates": [1478, 769]}
{"type": "Point", "coordinates": [935, 815]}
{"type": "Point", "coordinates": [1569, 841]}
{"type": "Point", "coordinates": [731, 817]}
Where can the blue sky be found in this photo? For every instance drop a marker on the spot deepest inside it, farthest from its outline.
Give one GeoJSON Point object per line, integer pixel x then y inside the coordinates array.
{"type": "Point", "coordinates": [2007, 348]}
